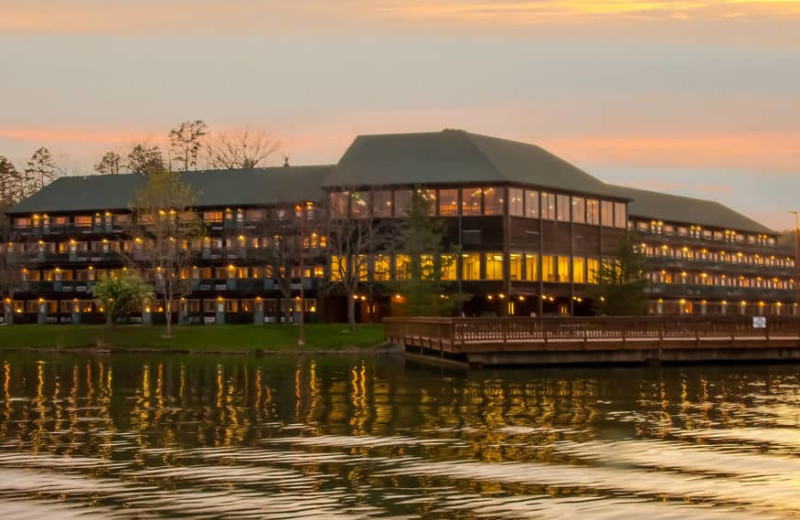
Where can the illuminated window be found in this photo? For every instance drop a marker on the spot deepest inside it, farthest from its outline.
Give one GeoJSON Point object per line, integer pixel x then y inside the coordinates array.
{"type": "Point", "coordinates": [402, 267]}
{"type": "Point", "coordinates": [531, 267]}
{"type": "Point", "coordinates": [494, 266]}
{"type": "Point", "coordinates": [607, 213]}
{"type": "Point", "coordinates": [493, 201]}
{"type": "Point", "coordinates": [471, 266]}
{"type": "Point", "coordinates": [359, 204]}
{"type": "Point", "coordinates": [362, 264]}
{"type": "Point", "coordinates": [562, 208]}
{"type": "Point", "coordinates": [620, 218]}
{"type": "Point", "coordinates": [578, 210]}
{"type": "Point", "coordinates": [548, 206]}
{"type": "Point", "coordinates": [515, 202]}
{"type": "Point", "coordinates": [427, 267]}
{"type": "Point", "coordinates": [449, 267]}
{"type": "Point", "coordinates": [83, 221]}
{"type": "Point", "coordinates": [339, 201]}
{"type": "Point", "coordinates": [429, 196]}
{"type": "Point", "coordinates": [448, 203]}
{"type": "Point", "coordinates": [382, 203]}
{"type": "Point", "coordinates": [579, 270]}
{"type": "Point", "coordinates": [471, 201]}
{"type": "Point", "coordinates": [563, 269]}
{"type": "Point", "coordinates": [338, 268]}
{"type": "Point", "coordinates": [531, 204]}
{"type": "Point", "coordinates": [549, 268]}
{"type": "Point", "coordinates": [402, 203]}
{"type": "Point", "coordinates": [382, 268]}
{"type": "Point", "coordinates": [515, 266]}
{"type": "Point", "coordinates": [592, 211]}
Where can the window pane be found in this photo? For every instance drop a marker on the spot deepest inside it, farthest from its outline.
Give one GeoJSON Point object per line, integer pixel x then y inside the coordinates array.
{"type": "Point", "coordinates": [382, 203]}
{"type": "Point", "coordinates": [429, 196]}
{"type": "Point", "coordinates": [531, 204]}
{"type": "Point", "coordinates": [493, 201]}
{"type": "Point", "coordinates": [359, 206]}
{"type": "Point", "coordinates": [578, 210]}
{"type": "Point", "coordinates": [592, 211]}
{"type": "Point", "coordinates": [338, 268]}
{"type": "Point", "coordinates": [381, 268]}
{"type": "Point", "coordinates": [362, 264]}
{"type": "Point", "coordinates": [531, 267]}
{"type": "Point", "coordinates": [606, 213]}
{"type": "Point", "coordinates": [593, 266]}
{"type": "Point", "coordinates": [515, 202]}
{"type": "Point", "coordinates": [620, 219]}
{"type": "Point", "coordinates": [515, 266]}
{"type": "Point", "coordinates": [402, 203]}
{"type": "Point", "coordinates": [471, 266]}
{"type": "Point", "coordinates": [449, 265]}
{"type": "Point", "coordinates": [402, 267]}
{"type": "Point", "coordinates": [427, 267]}
{"type": "Point", "coordinates": [448, 202]}
{"type": "Point", "coordinates": [494, 266]}
{"type": "Point", "coordinates": [579, 270]}
{"type": "Point", "coordinates": [563, 269]}
{"type": "Point", "coordinates": [338, 204]}
{"type": "Point", "coordinates": [471, 201]}
{"type": "Point", "coordinates": [562, 208]}
{"type": "Point", "coordinates": [549, 268]}
{"type": "Point", "coordinates": [548, 206]}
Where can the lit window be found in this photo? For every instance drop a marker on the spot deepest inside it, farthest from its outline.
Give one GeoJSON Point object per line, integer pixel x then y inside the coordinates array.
{"type": "Point", "coordinates": [359, 204]}
{"type": "Point", "coordinates": [562, 208]}
{"type": "Point", "coordinates": [515, 266]}
{"type": "Point", "coordinates": [548, 206]}
{"type": "Point", "coordinates": [578, 210]}
{"type": "Point", "coordinates": [471, 201]}
{"type": "Point", "coordinates": [607, 213]}
{"type": "Point", "coordinates": [563, 269]}
{"type": "Point", "coordinates": [449, 267]}
{"type": "Point", "coordinates": [531, 204]}
{"type": "Point", "coordinates": [494, 266]}
{"type": "Point", "coordinates": [592, 211]}
{"type": "Point", "coordinates": [515, 202]}
{"type": "Point", "coordinates": [382, 203]}
{"type": "Point", "coordinates": [448, 203]}
{"type": "Point", "coordinates": [579, 270]}
{"type": "Point", "coordinates": [339, 200]}
{"type": "Point", "coordinates": [531, 267]}
{"type": "Point", "coordinates": [382, 268]}
{"type": "Point", "coordinates": [593, 268]}
{"type": "Point", "coordinates": [402, 203]}
{"type": "Point", "coordinates": [338, 268]}
{"type": "Point", "coordinates": [471, 266]}
{"type": "Point", "coordinates": [493, 201]}
{"type": "Point", "coordinates": [402, 267]}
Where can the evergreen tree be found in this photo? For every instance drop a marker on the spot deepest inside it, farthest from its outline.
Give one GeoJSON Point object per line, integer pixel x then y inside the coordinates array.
{"type": "Point", "coordinates": [10, 183]}
{"type": "Point", "coordinates": [40, 171]}
{"type": "Point", "coordinates": [621, 281]}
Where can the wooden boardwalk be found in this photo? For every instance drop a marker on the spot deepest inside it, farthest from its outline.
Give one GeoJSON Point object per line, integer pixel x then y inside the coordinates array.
{"type": "Point", "coordinates": [492, 341]}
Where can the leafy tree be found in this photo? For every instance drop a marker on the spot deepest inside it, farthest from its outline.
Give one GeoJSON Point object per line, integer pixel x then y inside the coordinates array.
{"type": "Point", "coordinates": [186, 142]}
{"type": "Point", "coordinates": [240, 149]}
{"type": "Point", "coordinates": [109, 164]}
{"type": "Point", "coordinates": [621, 281]}
{"type": "Point", "coordinates": [423, 291]}
{"type": "Point", "coordinates": [164, 227]}
{"type": "Point", "coordinates": [144, 160]}
{"type": "Point", "coordinates": [39, 171]}
{"type": "Point", "coordinates": [120, 294]}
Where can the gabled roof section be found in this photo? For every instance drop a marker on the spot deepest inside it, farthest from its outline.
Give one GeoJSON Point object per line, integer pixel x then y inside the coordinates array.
{"type": "Point", "coordinates": [456, 157]}
{"type": "Point", "coordinates": [653, 205]}
{"type": "Point", "coordinates": [252, 187]}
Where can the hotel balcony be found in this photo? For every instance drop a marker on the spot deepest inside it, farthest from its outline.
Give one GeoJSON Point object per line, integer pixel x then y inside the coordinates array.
{"type": "Point", "coordinates": [716, 292]}
{"type": "Point", "coordinates": [730, 268]}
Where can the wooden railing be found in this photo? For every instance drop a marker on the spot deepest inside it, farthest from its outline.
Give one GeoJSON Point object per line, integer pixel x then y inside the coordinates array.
{"type": "Point", "coordinates": [464, 334]}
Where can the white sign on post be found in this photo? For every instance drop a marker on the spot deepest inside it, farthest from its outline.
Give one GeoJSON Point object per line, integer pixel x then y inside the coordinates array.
{"type": "Point", "coordinates": [759, 322]}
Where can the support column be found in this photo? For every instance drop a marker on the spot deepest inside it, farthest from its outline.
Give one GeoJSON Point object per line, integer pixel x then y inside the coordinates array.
{"type": "Point", "coordinates": [258, 312]}
{"type": "Point", "coordinates": [75, 314]}
{"type": "Point", "coordinates": [220, 314]}
{"type": "Point", "coordinates": [183, 312]}
{"type": "Point", "coordinates": [41, 317]}
{"type": "Point", "coordinates": [8, 312]}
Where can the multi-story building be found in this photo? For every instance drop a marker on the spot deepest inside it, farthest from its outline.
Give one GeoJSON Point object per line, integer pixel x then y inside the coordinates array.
{"type": "Point", "coordinates": [529, 230]}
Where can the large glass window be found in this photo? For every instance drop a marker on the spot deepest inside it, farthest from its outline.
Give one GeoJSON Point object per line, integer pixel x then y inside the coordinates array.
{"type": "Point", "coordinates": [563, 269]}
{"type": "Point", "coordinates": [427, 267]}
{"type": "Point", "coordinates": [620, 218]}
{"type": "Point", "coordinates": [338, 204]}
{"type": "Point", "coordinates": [359, 205]}
{"type": "Point", "coordinates": [382, 268]}
{"type": "Point", "coordinates": [579, 270]}
{"type": "Point", "coordinates": [515, 266]}
{"type": "Point", "coordinates": [494, 266]}
{"type": "Point", "coordinates": [493, 200]}
{"type": "Point", "coordinates": [338, 268]}
{"type": "Point", "coordinates": [382, 203]}
{"type": "Point", "coordinates": [531, 267]}
{"type": "Point", "coordinates": [562, 208]}
{"type": "Point", "coordinates": [592, 211]}
{"type": "Point", "coordinates": [402, 267]}
{"type": "Point", "coordinates": [549, 268]}
{"type": "Point", "coordinates": [429, 196]}
{"type": "Point", "coordinates": [471, 201]}
{"type": "Point", "coordinates": [402, 203]}
{"type": "Point", "coordinates": [607, 213]}
{"type": "Point", "coordinates": [592, 268]}
{"type": "Point", "coordinates": [449, 267]}
{"type": "Point", "coordinates": [471, 266]}
{"type": "Point", "coordinates": [548, 206]}
{"type": "Point", "coordinates": [579, 210]}
{"type": "Point", "coordinates": [516, 204]}
{"type": "Point", "coordinates": [531, 204]}
{"type": "Point", "coordinates": [448, 203]}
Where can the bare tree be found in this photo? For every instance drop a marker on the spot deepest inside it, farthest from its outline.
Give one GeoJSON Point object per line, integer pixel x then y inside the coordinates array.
{"type": "Point", "coordinates": [144, 160]}
{"type": "Point", "coordinates": [164, 227]}
{"type": "Point", "coordinates": [109, 164]}
{"type": "Point", "coordinates": [240, 149]}
{"type": "Point", "coordinates": [186, 142]}
{"type": "Point", "coordinates": [39, 171]}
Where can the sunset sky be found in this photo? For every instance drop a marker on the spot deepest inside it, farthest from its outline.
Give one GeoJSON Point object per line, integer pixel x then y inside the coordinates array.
{"type": "Point", "coordinates": [698, 98]}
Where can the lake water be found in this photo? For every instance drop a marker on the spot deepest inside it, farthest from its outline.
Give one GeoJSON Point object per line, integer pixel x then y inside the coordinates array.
{"type": "Point", "coordinates": [136, 436]}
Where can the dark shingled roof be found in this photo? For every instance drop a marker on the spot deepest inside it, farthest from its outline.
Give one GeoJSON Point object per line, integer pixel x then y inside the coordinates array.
{"type": "Point", "coordinates": [456, 157]}
{"type": "Point", "coordinates": [259, 186]}
{"type": "Point", "coordinates": [652, 205]}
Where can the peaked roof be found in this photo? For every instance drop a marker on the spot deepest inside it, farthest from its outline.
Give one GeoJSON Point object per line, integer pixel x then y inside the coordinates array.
{"type": "Point", "coordinates": [258, 186]}
{"type": "Point", "coordinates": [686, 210]}
{"type": "Point", "coordinates": [456, 157]}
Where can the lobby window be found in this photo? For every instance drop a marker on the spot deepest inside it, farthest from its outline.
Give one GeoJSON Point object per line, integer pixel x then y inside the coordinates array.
{"type": "Point", "coordinates": [549, 268]}
{"type": "Point", "coordinates": [382, 203]}
{"type": "Point", "coordinates": [22, 223]}
{"type": "Point", "coordinates": [471, 266]}
{"type": "Point", "coordinates": [339, 202]}
{"type": "Point", "coordinates": [471, 201]}
{"type": "Point", "coordinates": [515, 266]}
{"type": "Point", "coordinates": [494, 266]}
{"type": "Point", "coordinates": [592, 269]}
{"type": "Point", "coordinates": [448, 203]}
{"type": "Point", "coordinates": [359, 205]}
{"type": "Point", "coordinates": [607, 213]}
{"type": "Point", "coordinates": [429, 196]}
{"type": "Point", "coordinates": [402, 267]}
{"type": "Point", "coordinates": [362, 264]}
{"type": "Point", "coordinates": [382, 268]}
{"type": "Point", "coordinates": [578, 210]}
{"type": "Point", "coordinates": [402, 203]}
{"type": "Point", "coordinates": [83, 221]}
{"type": "Point", "coordinates": [449, 267]}
{"type": "Point", "coordinates": [592, 211]}
{"type": "Point", "coordinates": [338, 268]}
{"type": "Point", "coordinates": [563, 269]}
{"type": "Point", "coordinates": [620, 216]}
{"type": "Point", "coordinates": [494, 201]}
{"type": "Point", "coordinates": [531, 267]}
{"type": "Point", "coordinates": [548, 206]}
{"type": "Point", "coordinates": [579, 270]}
{"type": "Point", "coordinates": [427, 267]}
{"type": "Point", "coordinates": [516, 204]}
{"type": "Point", "coordinates": [531, 204]}
{"type": "Point", "coordinates": [562, 208]}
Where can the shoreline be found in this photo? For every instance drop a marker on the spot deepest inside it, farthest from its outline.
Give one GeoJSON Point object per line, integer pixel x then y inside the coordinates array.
{"type": "Point", "coordinates": [379, 349]}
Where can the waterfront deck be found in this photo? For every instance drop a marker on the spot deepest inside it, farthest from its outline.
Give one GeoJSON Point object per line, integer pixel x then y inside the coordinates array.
{"type": "Point", "coordinates": [510, 341]}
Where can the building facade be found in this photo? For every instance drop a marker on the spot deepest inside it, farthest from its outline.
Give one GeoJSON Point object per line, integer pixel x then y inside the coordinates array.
{"type": "Point", "coordinates": [528, 228]}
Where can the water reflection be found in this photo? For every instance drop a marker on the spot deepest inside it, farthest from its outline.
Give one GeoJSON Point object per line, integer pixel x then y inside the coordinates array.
{"type": "Point", "coordinates": [128, 435]}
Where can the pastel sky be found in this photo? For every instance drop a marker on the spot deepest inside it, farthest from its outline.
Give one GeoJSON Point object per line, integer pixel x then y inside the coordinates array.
{"type": "Point", "coordinates": [693, 97]}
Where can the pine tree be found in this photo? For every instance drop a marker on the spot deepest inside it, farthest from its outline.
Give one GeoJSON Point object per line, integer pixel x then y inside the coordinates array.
{"type": "Point", "coordinates": [40, 171]}
{"type": "Point", "coordinates": [621, 281]}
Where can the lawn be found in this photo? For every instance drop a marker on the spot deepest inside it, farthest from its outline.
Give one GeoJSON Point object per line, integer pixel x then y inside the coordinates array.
{"type": "Point", "coordinates": [228, 338]}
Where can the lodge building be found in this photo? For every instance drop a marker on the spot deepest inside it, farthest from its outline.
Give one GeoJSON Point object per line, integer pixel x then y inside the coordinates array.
{"type": "Point", "coordinates": [529, 229]}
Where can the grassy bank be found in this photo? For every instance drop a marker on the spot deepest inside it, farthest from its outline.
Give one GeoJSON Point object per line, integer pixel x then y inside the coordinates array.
{"type": "Point", "coordinates": [214, 338]}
